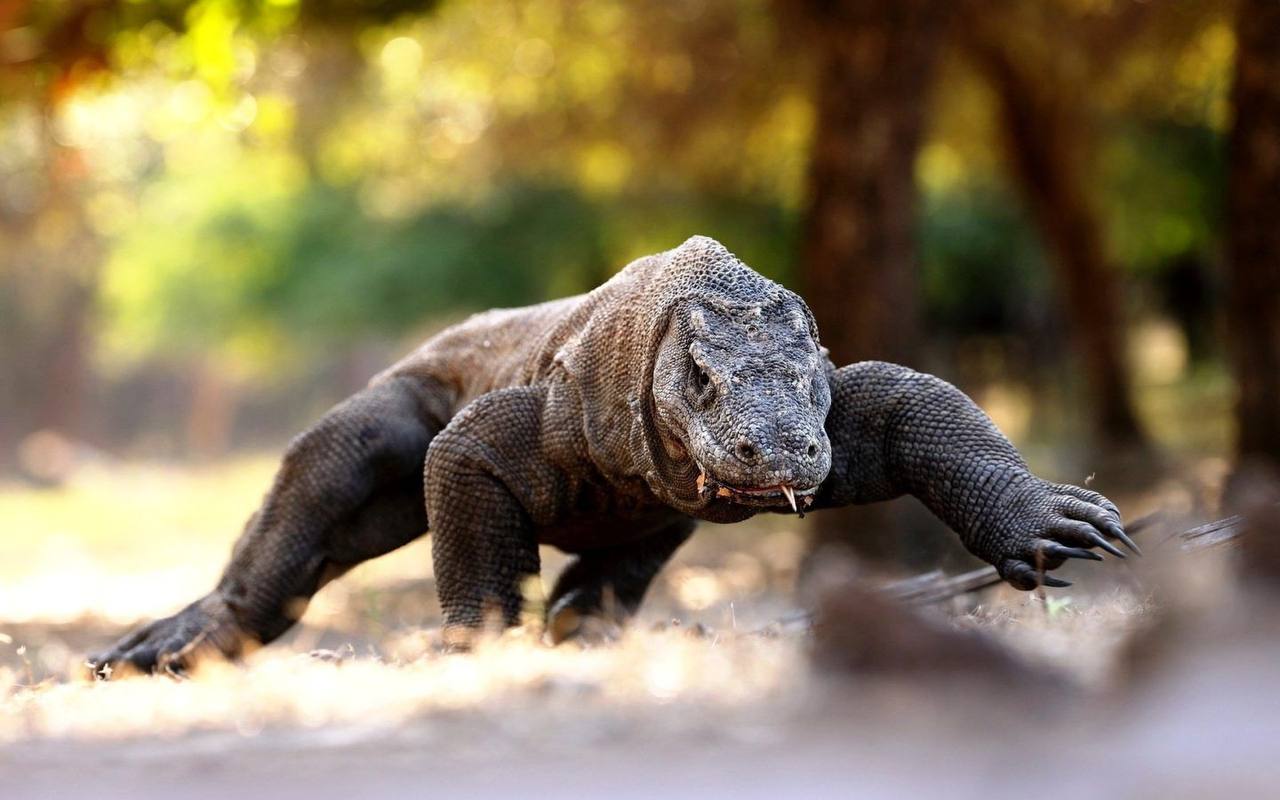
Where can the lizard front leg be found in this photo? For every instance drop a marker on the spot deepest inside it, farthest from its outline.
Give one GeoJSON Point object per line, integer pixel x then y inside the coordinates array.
{"type": "Point", "coordinates": [895, 431]}
{"type": "Point", "coordinates": [489, 487]}
{"type": "Point", "coordinates": [608, 584]}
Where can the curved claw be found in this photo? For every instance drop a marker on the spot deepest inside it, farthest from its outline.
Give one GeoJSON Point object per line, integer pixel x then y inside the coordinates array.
{"type": "Point", "coordinates": [171, 645]}
{"type": "Point", "coordinates": [1026, 577]}
{"type": "Point", "coordinates": [1083, 532]}
{"type": "Point", "coordinates": [1022, 576]}
{"type": "Point", "coordinates": [1108, 546]}
{"type": "Point", "coordinates": [1097, 511]}
{"type": "Point", "coordinates": [1062, 551]}
{"type": "Point", "coordinates": [1117, 532]}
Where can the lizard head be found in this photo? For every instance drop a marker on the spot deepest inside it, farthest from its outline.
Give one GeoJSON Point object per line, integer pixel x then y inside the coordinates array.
{"type": "Point", "coordinates": [741, 390]}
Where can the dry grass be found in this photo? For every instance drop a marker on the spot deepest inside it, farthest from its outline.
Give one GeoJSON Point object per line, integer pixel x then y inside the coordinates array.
{"type": "Point", "coordinates": [80, 563]}
{"type": "Point", "coordinates": [702, 701]}
{"type": "Point", "coordinates": [278, 689]}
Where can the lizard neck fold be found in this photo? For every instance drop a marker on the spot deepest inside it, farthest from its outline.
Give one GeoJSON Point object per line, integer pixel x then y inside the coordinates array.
{"type": "Point", "coordinates": [611, 360]}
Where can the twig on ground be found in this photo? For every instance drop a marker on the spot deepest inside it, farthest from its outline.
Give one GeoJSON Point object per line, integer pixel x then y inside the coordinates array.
{"type": "Point", "coordinates": [935, 586]}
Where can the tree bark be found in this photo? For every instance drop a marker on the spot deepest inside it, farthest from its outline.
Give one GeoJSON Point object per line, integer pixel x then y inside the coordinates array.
{"type": "Point", "coordinates": [1047, 144]}
{"type": "Point", "coordinates": [1253, 248]}
{"type": "Point", "coordinates": [858, 268]}
{"type": "Point", "coordinates": [858, 272]}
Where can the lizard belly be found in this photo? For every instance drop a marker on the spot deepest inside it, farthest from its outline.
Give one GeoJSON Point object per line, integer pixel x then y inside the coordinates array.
{"type": "Point", "coordinates": [601, 519]}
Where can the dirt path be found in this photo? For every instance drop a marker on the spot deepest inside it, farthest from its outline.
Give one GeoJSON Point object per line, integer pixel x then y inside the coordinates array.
{"type": "Point", "coordinates": [1206, 726]}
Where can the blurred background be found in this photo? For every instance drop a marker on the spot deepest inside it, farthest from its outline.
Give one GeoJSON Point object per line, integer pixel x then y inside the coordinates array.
{"type": "Point", "coordinates": [218, 218]}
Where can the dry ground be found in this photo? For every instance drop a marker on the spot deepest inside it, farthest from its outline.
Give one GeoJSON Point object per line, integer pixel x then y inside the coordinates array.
{"type": "Point", "coordinates": [703, 695]}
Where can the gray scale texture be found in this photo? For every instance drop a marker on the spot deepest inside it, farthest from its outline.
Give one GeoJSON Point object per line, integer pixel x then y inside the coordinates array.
{"type": "Point", "coordinates": [688, 387]}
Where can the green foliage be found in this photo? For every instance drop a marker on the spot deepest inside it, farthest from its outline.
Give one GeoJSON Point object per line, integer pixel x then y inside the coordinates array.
{"type": "Point", "coordinates": [983, 268]}
{"type": "Point", "coordinates": [271, 179]}
{"type": "Point", "coordinates": [761, 230]}
{"type": "Point", "coordinates": [341, 273]}
{"type": "Point", "coordinates": [263, 273]}
{"type": "Point", "coordinates": [1162, 198]}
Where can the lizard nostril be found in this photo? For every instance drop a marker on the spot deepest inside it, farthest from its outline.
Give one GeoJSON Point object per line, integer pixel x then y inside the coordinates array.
{"type": "Point", "coordinates": [812, 450]}
{"type": "Point", "coordinates": [746, 451]}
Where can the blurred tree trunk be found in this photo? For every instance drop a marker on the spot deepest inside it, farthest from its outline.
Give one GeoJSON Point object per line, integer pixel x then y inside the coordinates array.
{"type": "Point", "coordinates": [875, 63]}
{"type": "Point", "coordinates": [334, 66]}
{"type": "Point", "coordinates": [858, 271]}
{"type": "Point", "coordinates": [48, 272]}
{"type": "Point", "coordinates": [1253, 256]}
{"type": "Point", "coordinates": [1047, 141]}
{"type": "Point", "coordinates": [49, 251]}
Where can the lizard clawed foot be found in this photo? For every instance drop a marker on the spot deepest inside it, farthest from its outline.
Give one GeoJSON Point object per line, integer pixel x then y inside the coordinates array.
{"type": "Point", "coordinates": [567, 622]}
{"type": "Point", "coordinates": [1066, 522]}
{"type": "Point", "coordinates": [172, 645]}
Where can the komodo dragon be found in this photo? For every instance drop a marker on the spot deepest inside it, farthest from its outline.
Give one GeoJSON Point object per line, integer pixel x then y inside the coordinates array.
{"type": "Point", "coordinates": [688, 387]}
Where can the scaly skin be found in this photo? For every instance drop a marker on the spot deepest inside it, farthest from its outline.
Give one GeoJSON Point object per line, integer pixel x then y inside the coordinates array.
{"type": "Point", "coordinates": [687, 387]}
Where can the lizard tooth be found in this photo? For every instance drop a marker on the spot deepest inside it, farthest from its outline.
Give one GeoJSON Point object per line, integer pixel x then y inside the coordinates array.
{"type": "Point", "coordinates": [791, 497]}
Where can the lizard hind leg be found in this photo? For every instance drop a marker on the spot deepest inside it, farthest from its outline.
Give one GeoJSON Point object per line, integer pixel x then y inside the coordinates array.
{"type": "Point", "coordinates": [601, 589]}
{"type": "Point", "coordinates": [347, 490]}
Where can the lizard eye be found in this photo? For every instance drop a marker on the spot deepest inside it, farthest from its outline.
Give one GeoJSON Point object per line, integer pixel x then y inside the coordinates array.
{"type": "Point", "coordinates": [700, 384]}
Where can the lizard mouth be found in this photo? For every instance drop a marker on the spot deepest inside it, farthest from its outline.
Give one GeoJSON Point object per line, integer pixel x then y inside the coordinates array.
{"type": "Point", "coordinates": [777, 495]}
